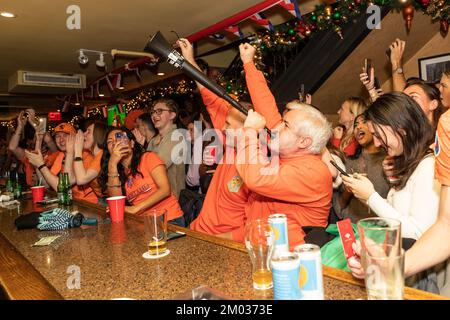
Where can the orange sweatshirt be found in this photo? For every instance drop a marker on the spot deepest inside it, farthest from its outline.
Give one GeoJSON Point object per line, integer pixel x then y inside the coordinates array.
{"type": "Point", "coordinates": [302, 187]}
{"type": "Point", "coordinates": [224, 205]}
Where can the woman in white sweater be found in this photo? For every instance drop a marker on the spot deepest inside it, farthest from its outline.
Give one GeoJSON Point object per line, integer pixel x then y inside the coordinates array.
{"type": "Point", "coordinates": [399, 125]}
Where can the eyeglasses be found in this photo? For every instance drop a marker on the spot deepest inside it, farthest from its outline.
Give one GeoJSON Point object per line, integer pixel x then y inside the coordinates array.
{"type": "Point", "coordinates": [159, 111]}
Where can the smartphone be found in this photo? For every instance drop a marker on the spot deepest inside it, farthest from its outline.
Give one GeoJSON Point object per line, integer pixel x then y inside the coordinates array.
{"type": "Point", "coordinates": [171, 235]}
{"type": "Point", "coordinates": [48, 201]}
{"type": "Point", "coordinates": [339, 168]}
{"type": "Point", "coordinates": [121, 137]}
{"type": "Point", "coordinates": [43, 123]}
{"type": "Point", "coordinates": [367, 65]}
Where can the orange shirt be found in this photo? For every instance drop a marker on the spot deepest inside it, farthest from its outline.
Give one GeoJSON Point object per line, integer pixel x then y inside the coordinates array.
{"type": "Point", "coordinates": [49, 158]}
{"type": "Point", "coordinates": [301, 188]}
{"type": "Point", "coordinates": [442, 150]}
{"type": "Point", "coordinates": [79, 192]}
{"type": "Point", "coordinates": [224, 205]}
{"type": "Point", "coordinates": [139, 188]}
{"type": "Point", "coordinates": [96, 165]}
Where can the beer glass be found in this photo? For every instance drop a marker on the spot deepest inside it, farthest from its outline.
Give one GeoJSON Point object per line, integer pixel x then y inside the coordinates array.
{"type": "Point", "coordinates": [384, 277]}
{"type": "Point", "coordinates": [383, 232]}
{"type": "Point", "coordinates": [259, 241]}
{"type": "Point", "coordinates": [155, 228]}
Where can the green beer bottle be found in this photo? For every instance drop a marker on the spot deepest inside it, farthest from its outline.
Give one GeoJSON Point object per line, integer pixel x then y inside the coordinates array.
{"type": "Point", "coordinates": [68, 189]}
{"type": "Point", "coordinates": [61, 191]}
{"type": "Point", "coordinates": [9, 183]}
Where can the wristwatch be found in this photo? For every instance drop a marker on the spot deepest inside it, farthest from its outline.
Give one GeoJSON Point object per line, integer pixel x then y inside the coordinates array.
{"type": "Point", "coordinates": [78, 159]}
{"type": "Point", "coordinates": [399, 70]}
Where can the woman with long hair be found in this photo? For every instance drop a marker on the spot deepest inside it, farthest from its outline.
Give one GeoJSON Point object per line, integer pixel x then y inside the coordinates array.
{"type": "Point", "coordinates": [140, 176]}
{"type": "Point", "coordinates": [92, 141]}
{"type": "Point", "coordinates": [343, 139]}
{"type": "Point", "coordinates": [367, 161]}
{"type": "Point", "coordinates": [400, 126]}
{"type": "Point", "coordinates": [427, 97]}
{"type": "Point", "coordinates": [444, 88]}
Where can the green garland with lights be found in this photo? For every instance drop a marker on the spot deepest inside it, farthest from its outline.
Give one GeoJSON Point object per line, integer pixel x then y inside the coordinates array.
{"type": "Point", "coordinates": [328, 17]}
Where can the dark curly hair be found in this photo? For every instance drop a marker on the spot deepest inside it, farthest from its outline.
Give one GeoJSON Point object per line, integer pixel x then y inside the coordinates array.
{"type": "Point", "coordinates": [138, 151]}
{"type": "Point", "coordinates": [406, 118]}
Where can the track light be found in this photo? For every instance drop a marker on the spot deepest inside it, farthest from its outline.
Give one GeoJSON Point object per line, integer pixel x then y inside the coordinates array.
{"type": "Point", "coordinates": [82, 58]}
{"type": "Point", "coordinates": [101, 61]}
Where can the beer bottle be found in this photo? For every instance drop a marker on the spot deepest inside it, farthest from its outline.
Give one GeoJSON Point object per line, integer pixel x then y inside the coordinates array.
{"type": "Point", "coordinates": [60, 190]}
{"type": "Point", "coordinates": [9, 183]}
{"type": "Point", "coordinates": [17, 190]}
{"type": "Point", "coordinates": [68, 189]}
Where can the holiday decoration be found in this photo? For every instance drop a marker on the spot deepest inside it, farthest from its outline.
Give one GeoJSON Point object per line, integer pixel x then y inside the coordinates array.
{"type": "Point", "coordinates": [408, 15]}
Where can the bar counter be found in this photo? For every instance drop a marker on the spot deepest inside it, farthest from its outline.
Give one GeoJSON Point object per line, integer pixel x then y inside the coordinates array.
{"type": "Point", "coordinates": [110, 263]}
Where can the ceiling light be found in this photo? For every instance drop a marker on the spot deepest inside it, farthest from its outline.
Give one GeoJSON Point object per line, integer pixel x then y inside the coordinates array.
{"type": "Point", "coordinates": [121, 88]}
{"type": "Point", "coordinates": [7, 14]}
{"type": "Point", "coordinates": [82, 58]}
{"type": "Point", "coordinates": [160, 73]}
{"type": "Point", "coordinates": [101, 95]}
{"type": "Point", "coordinates": [77, 103]}
{"type": "Point", "coordinates": [101, 61]}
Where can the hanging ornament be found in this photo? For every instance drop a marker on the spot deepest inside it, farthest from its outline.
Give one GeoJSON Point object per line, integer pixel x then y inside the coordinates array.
{"type": "Point", "coordinates": [408, 15]}
{"type": "Point", "coordinates": [358, 2]}
{"type": "Point", "coordinates": [338, 30]}
{"type": "Point", "coordinates": [440, 3]}
{"type": "Point", "coordinates": [337, 15]}
{"type": "Point", "coordinates": [444, 27]}
{"type": "Point", "coordinates": [328, 10]}
{"type": "Point", "coordinates": [425, 3]}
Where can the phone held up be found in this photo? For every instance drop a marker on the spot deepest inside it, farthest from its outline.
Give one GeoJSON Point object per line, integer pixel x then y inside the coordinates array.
{"type": "Point", "coordinates": [342, 171]}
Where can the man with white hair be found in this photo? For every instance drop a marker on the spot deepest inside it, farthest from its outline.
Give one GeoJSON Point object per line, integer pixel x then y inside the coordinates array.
{"type": "Point", "coordinates": [301, 188]}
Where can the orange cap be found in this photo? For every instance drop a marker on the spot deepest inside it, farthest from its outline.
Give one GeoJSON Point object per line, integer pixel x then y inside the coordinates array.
{"type": "Point", "coordinates": [66, 128]}
{"type": "Point", "coordinates": [131, 118]}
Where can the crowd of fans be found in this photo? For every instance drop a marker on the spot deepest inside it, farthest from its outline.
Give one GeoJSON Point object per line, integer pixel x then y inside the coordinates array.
{"type": "Point", "coordinates": [394, 145]}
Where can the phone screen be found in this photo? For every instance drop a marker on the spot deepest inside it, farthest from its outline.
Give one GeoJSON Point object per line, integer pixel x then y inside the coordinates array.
{"type": "Point", "coordinates": [339, 168]}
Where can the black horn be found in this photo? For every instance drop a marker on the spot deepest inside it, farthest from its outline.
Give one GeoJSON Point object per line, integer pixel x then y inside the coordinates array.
{"type": "Point", "coordinates": [158, 45]}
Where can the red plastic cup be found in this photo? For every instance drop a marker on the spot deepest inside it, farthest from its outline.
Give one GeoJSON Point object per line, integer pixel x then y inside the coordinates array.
{"type": "Point", "coordinates": [38, 193]}
{"type": "Point", "coordinates": [116, 207]}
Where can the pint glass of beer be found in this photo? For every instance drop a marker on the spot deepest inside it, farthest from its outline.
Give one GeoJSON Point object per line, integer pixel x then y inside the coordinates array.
{"type": "Point", "coordinates": [155, 227]}
{"type": "Point", "coordinates": [259, 241]}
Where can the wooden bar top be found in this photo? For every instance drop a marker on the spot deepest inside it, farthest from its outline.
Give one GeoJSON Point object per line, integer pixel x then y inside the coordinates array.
{"type": "Point", "coordinates": [108, 260]}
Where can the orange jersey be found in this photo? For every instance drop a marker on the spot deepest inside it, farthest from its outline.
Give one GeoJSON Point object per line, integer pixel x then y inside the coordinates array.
{"type": "Point", "coordinates": [85, 193]}
{"type": "Point", "coordinates": [224, 205]}
{"type": "Point", "coordinates": [139, 188]}
{"type": "Point", "coordinates": [442, 150]}
{"type": "Point", "coordinates": [301, 188]}
{"type": "Point", "coordinates": [49, 158]}
{"type": "Point", "coordinates": [96, 165]}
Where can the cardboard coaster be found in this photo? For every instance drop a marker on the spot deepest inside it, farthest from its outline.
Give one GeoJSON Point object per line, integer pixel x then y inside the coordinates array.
{"type": "Point", "coordinates": [147, 255]}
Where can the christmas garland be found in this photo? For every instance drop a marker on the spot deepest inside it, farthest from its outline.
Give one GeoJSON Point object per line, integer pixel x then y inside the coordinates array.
{"type": "Point", "coordinates": [331, 17]}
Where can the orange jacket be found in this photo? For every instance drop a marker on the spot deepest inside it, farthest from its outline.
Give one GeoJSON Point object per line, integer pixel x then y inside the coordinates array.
{"type": "Point", "coordinates": [301, 188]}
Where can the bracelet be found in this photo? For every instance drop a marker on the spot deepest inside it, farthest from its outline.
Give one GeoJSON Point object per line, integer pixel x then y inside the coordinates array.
{"type": "Point", "coordinates": [113, 175]}
{"type": "Point", "coordinates": [114, 185]}
{"type": "Point", "coordinates": [41, 166]}
{"type": "Point", "coordinates": [78, 159]}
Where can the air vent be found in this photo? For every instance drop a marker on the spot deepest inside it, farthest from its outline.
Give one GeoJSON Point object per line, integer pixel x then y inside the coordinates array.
{"type": "Point", "coordinates": [43, 82]}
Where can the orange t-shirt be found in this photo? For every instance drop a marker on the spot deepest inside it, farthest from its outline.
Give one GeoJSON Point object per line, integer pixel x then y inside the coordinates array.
{"type": "Point", "coordinates": [442, 150]}
{"type": "Point", "coordinates": [224, 205]}
{"type": "Point", "coordinates": [85, 193]}
{"type": "Point", "coordinates": [139, 188]}
{"type": "Point", "coordinates": [301, 188]}
{"type": "Point", "coordinates": [96, 165]}
{"type": "Point", "coordinates": [49, 158]}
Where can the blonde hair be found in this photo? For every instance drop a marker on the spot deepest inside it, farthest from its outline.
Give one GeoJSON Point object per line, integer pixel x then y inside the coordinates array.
{"type": "Point", "coordinates": [357, 106]}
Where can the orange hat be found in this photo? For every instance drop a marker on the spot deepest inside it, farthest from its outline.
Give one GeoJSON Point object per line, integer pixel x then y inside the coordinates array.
{"type": "Point", "coordinates": [130, 119]}
{"type": "Point", "coordinates": [66, 128]}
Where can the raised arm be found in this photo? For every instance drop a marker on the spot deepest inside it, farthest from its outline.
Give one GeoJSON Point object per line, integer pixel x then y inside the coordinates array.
{"type": "Point", "coordinates": [398, 77]}
{"type": "Point", "coordinates": [13, 146]}
{"type": "Point", "coordinates": [82, 175]}
{"type": "Point", "coordinates": [37, 161]}
{"type": "Point", "coordinates": [262, 98]}
{"type": "Point", "coordinates": [216, 107]}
